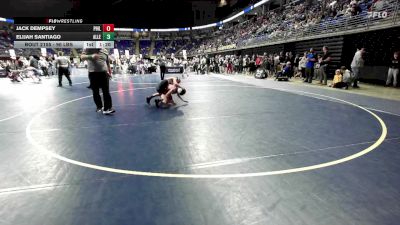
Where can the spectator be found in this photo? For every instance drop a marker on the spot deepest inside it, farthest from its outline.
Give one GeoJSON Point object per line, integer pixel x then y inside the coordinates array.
{"type": "Point", "coordinates": [356, 65]}
{"type": "Point", "coordinates": [347, 77]}
{"type": "Point", "coordinates": [236, 64]}
{"type": "Point", "coordinates": [252, 65]}
{"type": "Point", "coordinates": [203, 65]}
{"type": "Point", "coordinates": [288, 70]}
{"type": "Point", "coordinates": [208, 62]}
{"type": "Point", "coordinates": [276, 62]}
{"type": "Point", "coordinates": [310, 66]}
{"type": "Point", "coordinates": [34, 67]}
{"type": "Point", "coordinates": [246, 62]}
{"type": "Point", "coordinates": [283, 57]}
{"type": "Point", "coordinates": [325, 62]}
{"type": "Point", "coordinates": [258, 61]}
{"type": "Point", "coordinates": [393, 70]}
{"type": "Point", "coordinates": [338, 80]}
{"type": "Point", "coordinates": [296, 64]}
{"type": "Point", "coordinates": [215, 63]}
{"type": "Point", "coordinates": [240, 60]}
{"type": "Point", "coordinates": [265, 64]}
{"type": "Point", "coordinates": [196, 65]}
{"type": "Point", "coordinates": [317, 68]}
{"type": "Point", "coordinates": [302, 65]}
{"type": "Point", "coordinates": [43, 64]}
{"type": "Point", "coordinates": [33, 62]}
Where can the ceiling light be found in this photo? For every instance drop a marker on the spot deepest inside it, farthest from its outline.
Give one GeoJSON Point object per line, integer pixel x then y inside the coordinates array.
{"type": "Point", "coordinates": [222, 3]}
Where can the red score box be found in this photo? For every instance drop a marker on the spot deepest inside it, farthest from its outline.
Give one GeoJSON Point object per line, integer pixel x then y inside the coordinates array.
{"type": "Point", "coordinates": [108, 27]}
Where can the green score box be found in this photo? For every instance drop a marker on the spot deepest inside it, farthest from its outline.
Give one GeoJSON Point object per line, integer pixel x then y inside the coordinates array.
{"type": "Point", "coordinates": [108, 36]}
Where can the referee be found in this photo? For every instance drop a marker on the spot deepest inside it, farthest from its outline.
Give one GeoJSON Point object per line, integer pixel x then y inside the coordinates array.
{"type": "Point", "coordinates": [63, 63]}
{"type": "Point", "coordinates": [99, 75]}
{"type": "Point", "coordinates": [163, 68]}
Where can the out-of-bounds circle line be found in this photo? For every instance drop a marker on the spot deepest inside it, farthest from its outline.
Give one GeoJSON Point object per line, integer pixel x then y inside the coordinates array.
{"type": "Point", "coordinates": [212, 176]}
{"type": "Point", "coordinates": [12, 117]}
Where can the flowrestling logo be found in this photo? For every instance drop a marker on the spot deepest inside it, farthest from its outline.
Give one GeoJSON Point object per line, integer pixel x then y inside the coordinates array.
{"type": "Point", "coordinates": [67, 21]}
{"type": "Point", "coordinates": [379, 15]}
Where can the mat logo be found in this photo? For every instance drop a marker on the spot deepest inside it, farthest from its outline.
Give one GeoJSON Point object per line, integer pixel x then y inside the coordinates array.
{"type": "Point", "coordinates": [374, 15]}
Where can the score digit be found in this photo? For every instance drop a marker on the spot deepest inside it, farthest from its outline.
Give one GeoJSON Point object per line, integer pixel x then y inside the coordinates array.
{"type": "Point", "coordinates": [108, 27]}
{"type": "Point", "coordinates": [108, 36]}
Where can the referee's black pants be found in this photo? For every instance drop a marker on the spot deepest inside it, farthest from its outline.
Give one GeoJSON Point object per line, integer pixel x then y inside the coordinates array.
{"type": "Point", "coordinates": [162, 72]}
{"type": "Point", "coordinates": [100, 80]}
{"type": "Point", "coordinates": [63, 71]}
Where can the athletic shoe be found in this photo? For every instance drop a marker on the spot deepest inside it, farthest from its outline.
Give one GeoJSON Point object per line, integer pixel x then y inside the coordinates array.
{"type": "Point", "coordinates": [59, 85]}
{"type": "Point", "coordinates": [148, 100]}
{"type": "Point", "coordinates": [108, 111]}
{"type": "Point", "coordinates": [99, 110]}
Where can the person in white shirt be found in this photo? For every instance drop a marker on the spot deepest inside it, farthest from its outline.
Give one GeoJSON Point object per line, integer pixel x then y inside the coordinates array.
{"type": "Point", "coordinates": [246, 64]}
{"type": "Point", "coordinates": [176, 62]}
{"type": "Point", "coordinates": [185, 65]}
{"type": "Point", "coordinates": [393, 71]}
{"type": "Point", "coordinates": [43, 65]}
{"type": "Point", "coordinates": [302, 64]}
{"type": "Point", "coordinates": [63, 63]}
{"type": "Point", "coordinates": [25, 62]}
{"type": "Point", "coordinates": [347, 76]}
{"type": "Point", "coordinates": [203, 60]}
{"type": "Point", "coordinates": [277, 61]}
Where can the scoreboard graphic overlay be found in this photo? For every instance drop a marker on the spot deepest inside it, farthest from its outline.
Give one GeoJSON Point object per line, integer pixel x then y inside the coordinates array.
{"type": "Point", "coordinates": [61, 33]}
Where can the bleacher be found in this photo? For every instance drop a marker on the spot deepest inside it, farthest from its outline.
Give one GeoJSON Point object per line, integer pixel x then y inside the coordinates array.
{"type": "Point", "coordinates": [5, 38]}
{"type": "Point", "coordinates": [299, 21]}
{"type": "Point", "coordinates": [144, 47]}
